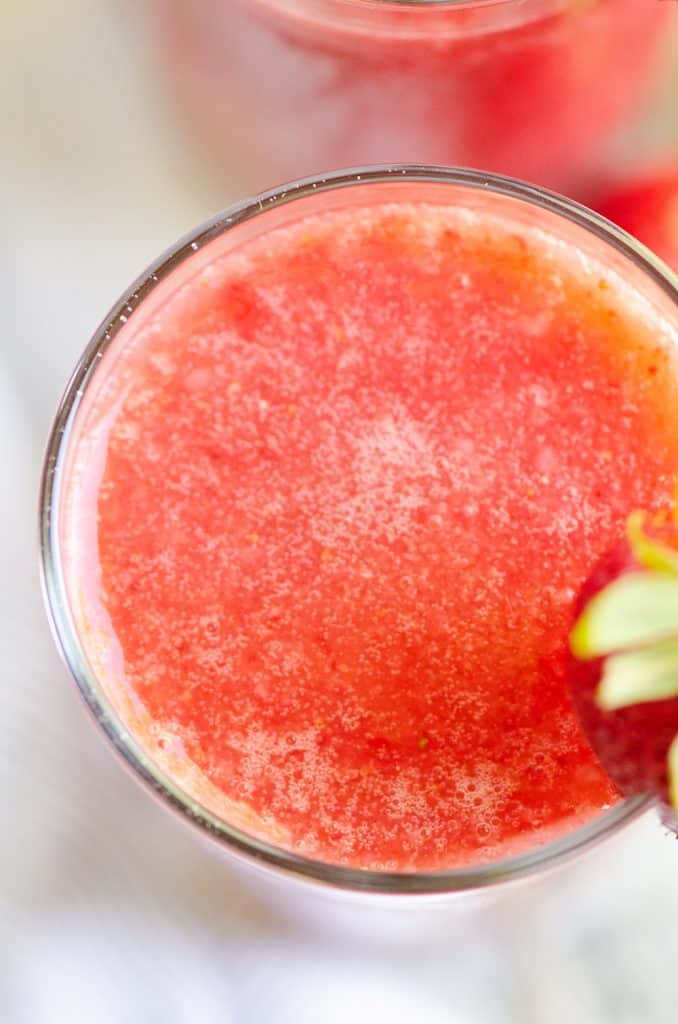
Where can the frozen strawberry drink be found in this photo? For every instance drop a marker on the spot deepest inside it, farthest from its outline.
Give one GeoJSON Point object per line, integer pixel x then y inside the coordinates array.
{"type": "Point", "coordinates": [331, 477]}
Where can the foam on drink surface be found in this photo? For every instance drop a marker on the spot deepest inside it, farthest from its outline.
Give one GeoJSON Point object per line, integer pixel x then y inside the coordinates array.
{"type": "Point", "coordinates": [357, 473]}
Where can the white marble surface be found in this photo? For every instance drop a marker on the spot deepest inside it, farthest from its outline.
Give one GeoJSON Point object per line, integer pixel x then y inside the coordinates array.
{"type": "Point", "coordinates": [109, 911]}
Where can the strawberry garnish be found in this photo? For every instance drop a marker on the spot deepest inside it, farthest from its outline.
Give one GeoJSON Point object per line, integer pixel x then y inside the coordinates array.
{"type": "Point", "coordinates": [624, 673]}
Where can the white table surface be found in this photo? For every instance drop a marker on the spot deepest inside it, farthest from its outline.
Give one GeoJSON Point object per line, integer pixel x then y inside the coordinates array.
{"type": "Point", "coordinates": [109, 910]}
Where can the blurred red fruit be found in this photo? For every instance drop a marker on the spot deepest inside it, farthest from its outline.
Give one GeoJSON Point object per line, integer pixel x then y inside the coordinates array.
{"type": "Point", "coordinates": [647, 208]}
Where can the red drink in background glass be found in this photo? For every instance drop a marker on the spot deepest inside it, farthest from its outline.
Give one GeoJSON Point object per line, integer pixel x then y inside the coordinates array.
{"type": "Point", "coordinates": [319, 501]}
{"type": "Point", "coordinates": [528, 88]}
{"type": "Point", "coordinates": [646, 205]}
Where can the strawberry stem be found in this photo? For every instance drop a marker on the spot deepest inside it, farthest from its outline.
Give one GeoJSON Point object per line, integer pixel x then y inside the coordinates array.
{"type": "Point", "coordinates": [673, 773]}
{"type": "Point", "coordinates": [638, 677]}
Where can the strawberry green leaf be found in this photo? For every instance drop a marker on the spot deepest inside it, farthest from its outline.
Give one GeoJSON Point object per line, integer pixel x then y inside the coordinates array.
{"type": "Point", "coordinates": [639, 676]}
{"type": "Point", "coordinates": [673, 773]}
{"type": "Point", "coordinates": [650, 553]}
{"type": "Point", "coordinates": [635, 610]}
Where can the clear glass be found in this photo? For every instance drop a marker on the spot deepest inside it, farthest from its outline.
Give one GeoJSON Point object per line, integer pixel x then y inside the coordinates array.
{"type": "Point", "coordinates": [575, 226]}
{"type": "Point", "coordinates": [276, 89]}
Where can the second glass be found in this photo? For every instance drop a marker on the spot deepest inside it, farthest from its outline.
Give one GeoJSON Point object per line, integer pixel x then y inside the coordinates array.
{"type": "Point", "coordinates": [529, 88]}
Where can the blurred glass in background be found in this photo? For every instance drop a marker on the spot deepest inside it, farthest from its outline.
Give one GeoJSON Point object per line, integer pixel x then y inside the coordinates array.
{"type": "Point", "coordinates": [529, 88]}
{"type": "Point", "coordinates": [109, 911]}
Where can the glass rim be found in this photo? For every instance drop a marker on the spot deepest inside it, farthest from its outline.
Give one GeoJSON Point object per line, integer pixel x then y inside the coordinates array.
{"type": "Point", "coordinates": [434, 3]}
{"type": "Point", "coordinates": [62, 622]}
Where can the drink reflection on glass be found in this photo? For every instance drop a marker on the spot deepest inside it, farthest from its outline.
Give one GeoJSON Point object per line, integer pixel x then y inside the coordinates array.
{"type": "Point", "coordinates": [317, 504]}
{"type": "Point", "coordinates": [530, 88]}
